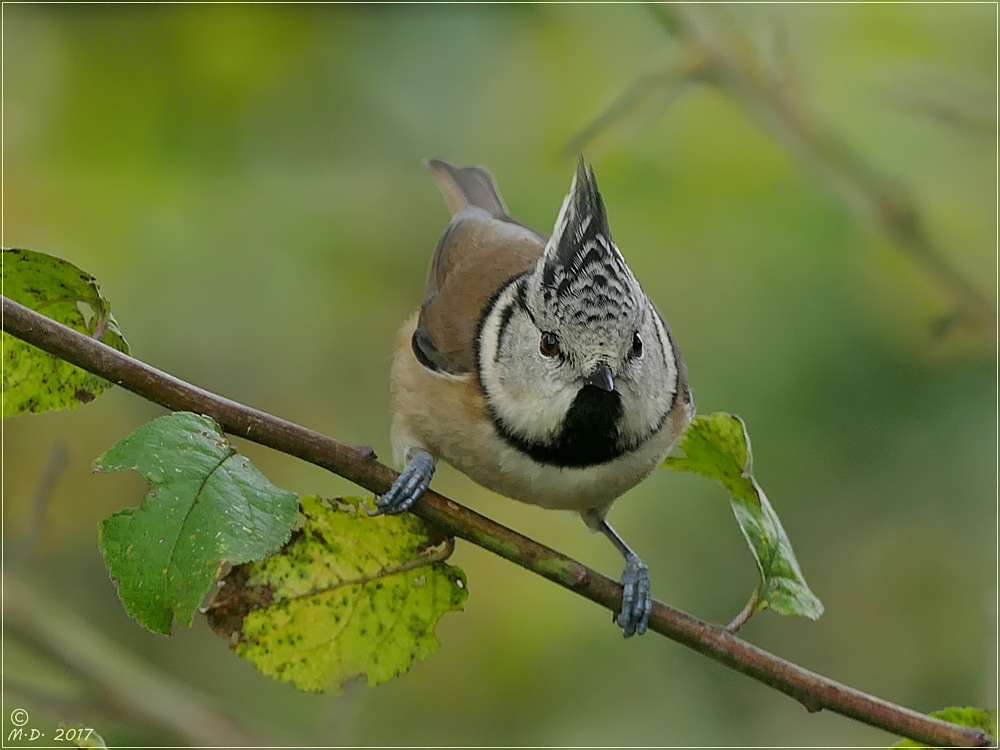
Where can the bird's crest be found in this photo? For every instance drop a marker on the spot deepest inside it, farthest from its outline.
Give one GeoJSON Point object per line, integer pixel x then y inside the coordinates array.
{"type": "Point", "coordinates": [581, 276]}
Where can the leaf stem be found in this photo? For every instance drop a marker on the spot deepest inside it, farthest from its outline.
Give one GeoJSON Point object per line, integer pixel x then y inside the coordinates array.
{"type": "Point", "coordinates": [748, 609]}
{"type": "Point", "coordinates": [358, 465]}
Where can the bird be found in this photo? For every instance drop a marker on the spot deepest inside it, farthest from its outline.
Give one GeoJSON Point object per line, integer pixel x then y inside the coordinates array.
{"type": "Point", "coordinates": [536, 366]}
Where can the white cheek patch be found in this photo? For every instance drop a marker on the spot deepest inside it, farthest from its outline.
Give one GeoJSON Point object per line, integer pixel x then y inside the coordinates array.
{"type": "Point", "coordinates": [648, 395]}
{"type": "Point", "coordinates": [519, 386]}
{"type": "Point", "coordinates": [668, 352]}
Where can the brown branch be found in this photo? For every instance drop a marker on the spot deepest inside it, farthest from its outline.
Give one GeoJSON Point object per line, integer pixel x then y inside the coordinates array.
{"type": "Point", "coordinates": [358, 465]}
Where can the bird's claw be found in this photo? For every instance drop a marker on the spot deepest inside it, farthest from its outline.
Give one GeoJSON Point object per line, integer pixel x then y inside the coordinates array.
{"type": "Point", "coordinates": [637, 600]}
{"type": "Point", "coordinates": [408, 488]}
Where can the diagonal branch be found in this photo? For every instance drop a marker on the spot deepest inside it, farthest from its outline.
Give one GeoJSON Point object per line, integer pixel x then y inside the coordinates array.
{"type": "Point", "coordinates": [358, 465]}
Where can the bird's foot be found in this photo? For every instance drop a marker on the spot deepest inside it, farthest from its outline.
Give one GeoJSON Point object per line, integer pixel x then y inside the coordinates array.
{"type": "Point", "coordinates": [637, 601]}
{"type": "Point", "coordinates": [408, 488]}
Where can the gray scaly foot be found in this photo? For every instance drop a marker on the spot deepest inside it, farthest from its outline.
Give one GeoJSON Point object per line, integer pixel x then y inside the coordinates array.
{"type": "Point", "coordinates": [637, 601]}
{"type": "Point", "coordinates": [408, 488]}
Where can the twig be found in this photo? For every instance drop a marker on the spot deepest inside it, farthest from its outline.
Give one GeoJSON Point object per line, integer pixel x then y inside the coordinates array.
{"type": "Point", "coordinates": [669, 82]}
{"type": "Point", "coordinates": [738, 71]}
{"type": "Point", "coordinates": [27, 545]}
{"type": "Point", "coordinates": [814, 691]}
{"type": "Point", "coordinates": [748, 609]}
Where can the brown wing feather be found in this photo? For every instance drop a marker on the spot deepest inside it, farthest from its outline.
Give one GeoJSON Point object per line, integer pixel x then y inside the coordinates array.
{"type": "Point", "coordinates": [475, 258]}
{"type": "Point", "coordinates": [479, 252]}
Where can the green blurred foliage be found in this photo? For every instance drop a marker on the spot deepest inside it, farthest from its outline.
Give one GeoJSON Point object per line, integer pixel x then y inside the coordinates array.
{"type": "Point", "coordinates": [245, 183]}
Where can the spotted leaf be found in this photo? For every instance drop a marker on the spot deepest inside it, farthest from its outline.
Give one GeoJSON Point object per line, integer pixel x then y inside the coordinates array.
{"type": "Point", "coordinates": [349, 595]}
{"type": "Point", "coordinates": [36, 381]}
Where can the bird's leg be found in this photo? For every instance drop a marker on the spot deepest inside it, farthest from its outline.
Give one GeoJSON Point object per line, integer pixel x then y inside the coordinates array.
{"type": "Point", "coordinates": [637, 601]}
{"type": "Point", "coordinates": [410, 485]}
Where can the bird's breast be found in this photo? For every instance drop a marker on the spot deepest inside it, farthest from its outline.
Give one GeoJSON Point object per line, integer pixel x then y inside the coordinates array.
{"type": "Point", "coordinates": [448, 416]}
{"type": "Point", "coordinates": [588, 435]}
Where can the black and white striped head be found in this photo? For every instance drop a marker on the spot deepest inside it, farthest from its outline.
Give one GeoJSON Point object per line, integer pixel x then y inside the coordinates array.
{"type": "Point", "coordinates": [577, 364]}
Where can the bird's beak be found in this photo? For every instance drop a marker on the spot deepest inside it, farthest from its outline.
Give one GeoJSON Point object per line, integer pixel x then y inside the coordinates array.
{"type": "Point", "coordinates": [601, 378]}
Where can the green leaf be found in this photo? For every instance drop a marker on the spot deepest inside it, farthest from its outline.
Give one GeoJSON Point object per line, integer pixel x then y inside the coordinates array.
{"type": "Point", "coordinates": [206, 504]}
{"type": "Point", "coordinates": [968, 716]}
{"type": "Point", "coordinates": [36, 381]}
{"type": "Point", "coordinates": [349, 595]}
{"type": "Point", "coordinates": [718, 447]}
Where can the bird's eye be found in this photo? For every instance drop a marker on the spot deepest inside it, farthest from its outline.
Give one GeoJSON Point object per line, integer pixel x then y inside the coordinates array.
{"type": "Point", "coordinates": [636, 345]}
{"type": "Point", "coordinates": [548, 345]}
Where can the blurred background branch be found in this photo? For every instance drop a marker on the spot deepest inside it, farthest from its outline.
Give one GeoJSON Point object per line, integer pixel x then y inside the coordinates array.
{"type": "Point", "coordinates": [27, 542]}
{"type": "Point", "coordinates": [102, 680]}
{"type": "Point", "coordinates": [715, 51]}
{"type": "Point", "coordinates": [121, 683]}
